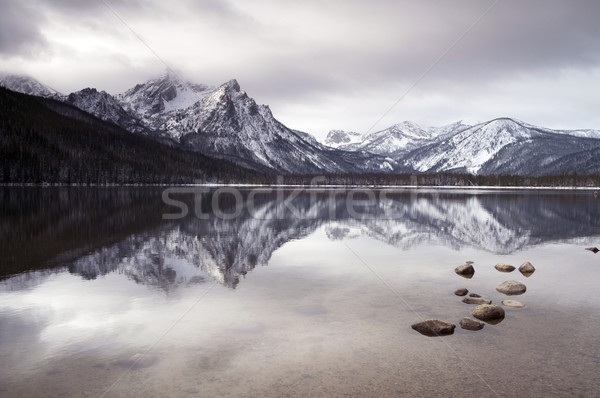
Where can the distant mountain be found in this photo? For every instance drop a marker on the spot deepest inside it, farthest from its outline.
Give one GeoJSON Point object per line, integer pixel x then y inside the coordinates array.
{"type": "Point", "coordinates": [500, 146]}
{"type": "Point", "coordinates": [341, 138]}
{"type": "Point", "coordinates": [401, 138]}
{"type": "Point", "coordinates": [27, 85]}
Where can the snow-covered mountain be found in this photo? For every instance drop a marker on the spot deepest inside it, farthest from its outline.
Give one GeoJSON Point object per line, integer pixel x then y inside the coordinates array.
{"type": "Point", "coordinates": [222, 122]}
{"type": "Point", "coordinates": [401, 138]}
{"type": "Point", "coordinates": [27, 85]}
{"type": "Point", "coordinates": [225, 122]}
{"type": "Point", "coordinates": [341, 138]}
{"type": "Point", "coordinates": [500, 146]}
{"type": "Point", "coordinates": [158, 102]}
{"type": "Point", "coordinates": [105, 106]}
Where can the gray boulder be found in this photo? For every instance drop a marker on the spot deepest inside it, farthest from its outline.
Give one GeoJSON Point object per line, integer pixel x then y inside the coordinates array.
{"type": "Point", "coordinates": [471, 324]}
{"type": "Point", "coordinates": [504, 267]}
{"type": "Point", "coordinates": [489, 313]}
{"type": "Point", "coordinates": [476, 300]}
{"type": "Point", "coordinates": [465, 270]}
{"type": "Point", "coordinates": [434, 327]}
{"type": "Point", "coordinates": [527, 269]}
{"type": "Point", "coordinates": [511, 288]}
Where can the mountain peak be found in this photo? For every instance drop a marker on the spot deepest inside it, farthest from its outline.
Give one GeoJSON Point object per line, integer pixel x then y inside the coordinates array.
{"type": "Point", "coordinates": [233, 85]}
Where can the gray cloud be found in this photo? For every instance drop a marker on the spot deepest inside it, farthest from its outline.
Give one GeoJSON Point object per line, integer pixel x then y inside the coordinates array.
{"type": "Point", "coordinates": [293, 54]}
{"type": "Point", "coordinates": [19, 30]}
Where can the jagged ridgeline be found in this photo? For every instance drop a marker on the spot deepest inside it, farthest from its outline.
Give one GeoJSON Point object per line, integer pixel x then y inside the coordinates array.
{"type": "Point", "coordinates": [44, 140]}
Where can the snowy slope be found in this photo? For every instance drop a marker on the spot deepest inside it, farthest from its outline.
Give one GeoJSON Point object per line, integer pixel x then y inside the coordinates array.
{"type": "Point", "coordinates": [104, 106]}
{"type": "Point", "coordinates": [157, 101]}
{"type": "Point", "coordinates": [341, 138]}
{"type": "Point", "coordinates": [500, 146]}
{"type": "Point", "coordinates": [395, 140]}
{"type": "Point", "coordinates": [27, 85]}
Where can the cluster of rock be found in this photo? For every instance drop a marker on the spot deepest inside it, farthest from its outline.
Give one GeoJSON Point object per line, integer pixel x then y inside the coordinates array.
{"type": "Point", "coordinates": [485, 312]}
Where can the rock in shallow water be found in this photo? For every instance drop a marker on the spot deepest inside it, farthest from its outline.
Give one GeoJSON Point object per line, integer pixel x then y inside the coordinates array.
{"type": "Point", "coordinates": [488, 313]}
{"type": "Point", "coordinates": [474, 295]}
{"type": "Point", "coordinates": [471, 324]}
{"type": "Point", "coordinates": [511, 288]}
{"type": "Point", "coordinates": [476, 300]}
{"type": "Point", "coordinates": [138, 361]}
{"type": "Point", "coordinates": [527, 269]}
{"type": "Point", "coordinates": [465, 270]}
{"type": "Point", "coordinates": [592, 249]}
{"type": "Point", "coordinates": [461, 292]}
{"type": "Point", "coordinates": [504, 267]}
{"type": "Point", "coordinates": [434, 327]}
{"type": "Point", "coordinates": [513, 303]}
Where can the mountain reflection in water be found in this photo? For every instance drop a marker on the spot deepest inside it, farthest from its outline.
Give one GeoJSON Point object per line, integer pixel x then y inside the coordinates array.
{"type": "Point", "coordinates": [95, 231]}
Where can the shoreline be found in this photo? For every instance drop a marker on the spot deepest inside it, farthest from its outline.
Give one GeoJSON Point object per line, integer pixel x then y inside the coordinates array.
{"type": "Point", "coordinates": [312, 187]}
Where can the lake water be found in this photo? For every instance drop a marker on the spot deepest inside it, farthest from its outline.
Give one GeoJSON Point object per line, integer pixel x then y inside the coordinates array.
{"type": "Point", "coordinates": [117, 292]}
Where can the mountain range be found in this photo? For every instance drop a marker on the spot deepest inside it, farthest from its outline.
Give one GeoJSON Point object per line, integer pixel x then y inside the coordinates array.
{"type": "Point", "coordinates": [224, 122]}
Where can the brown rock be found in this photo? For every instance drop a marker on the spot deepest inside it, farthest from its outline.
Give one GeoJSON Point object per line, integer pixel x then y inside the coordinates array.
{"type": "Point", "coordinates": [511, 288]}
{"type": "Point", "coordinates": [593, 249]}
{"type": "Point", "coordinates": [526, 269]}
{"type": "Point", "coordinates": [461, 292]}
{"type": "Point", "coordinates": [476, 300]}
{"type": "Point", "coordinates": [504, 267]}
{"type": "Point", "coordinates": [489, 313]}
{"type": "Point", "coordinates": [434, 327]}
{"type": "Point", "coordinates": [471, 324]}
{"type": "Point", "coordinates": [466, 271]}
{"type": "Point", "coordinates": [474, 295]}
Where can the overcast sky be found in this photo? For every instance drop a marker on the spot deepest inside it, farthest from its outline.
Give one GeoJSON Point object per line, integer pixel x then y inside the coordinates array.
{"type": "Point", "coordinates": [322, 65]}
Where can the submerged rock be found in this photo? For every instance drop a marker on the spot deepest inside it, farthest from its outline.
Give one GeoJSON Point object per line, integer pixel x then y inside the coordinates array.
{"type": "Point", "coordinates": [138, 361]}
{"type": "Point", "coordinates": [465, 270]}
{"type": "Point", "coordinates": [471, 324]}
{"type": "Point", "coordinates": [488, 313]}
{"type": "Point", "coordinates": [513, 303]}
{"type": "Point", "coordinates": [434, 327]}
{"type": "Point", "coordinates": [527, 269]}
{"type": "Point", "coordinates": [474, 295]}
{"type": "Point", "coordinates": [511, 288]}
{"type": "Point", "coordinates": [593, 249]}
{"type": "Point", "coordinates": [461, 292]}
{"type": "Point", "coordinates": [476, 300]}
{"type": "Point", "coordinates": [504, 267]}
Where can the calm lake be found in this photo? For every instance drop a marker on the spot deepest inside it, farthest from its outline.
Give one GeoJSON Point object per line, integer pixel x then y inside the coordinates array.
{"type": "Point", "coordinates": [142, 292]}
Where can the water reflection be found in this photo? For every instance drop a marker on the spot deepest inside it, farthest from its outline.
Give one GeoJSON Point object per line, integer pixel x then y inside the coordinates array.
{"type": "Point", "coordinates": [92, 232]}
